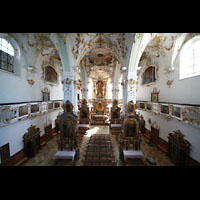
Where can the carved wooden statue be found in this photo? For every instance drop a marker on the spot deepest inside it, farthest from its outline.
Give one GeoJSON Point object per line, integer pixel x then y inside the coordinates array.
{"type": "Point", "coordinates": [115, 121]}
{"type": "Point", "coordinates": [115, 113]}
{"type": "Point", "coordinates": [99, 86]}
{"type": "Point", "coordinates": [84, 113]}
{"type": "Point", "coordinates": [66, 124]}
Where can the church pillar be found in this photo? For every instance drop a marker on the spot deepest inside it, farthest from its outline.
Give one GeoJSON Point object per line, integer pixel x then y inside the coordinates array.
{"type": "Point", "coordinates": [84, 92]}
{"type": "Point", "coordinates": [70, 91]}
{"type": "Point", "coordinates": [131, 89]}
{"type": "Point", "coordinates": [75, 100]}
{"type": "Point", "coordinates": [115, 93]}
{"type": "Point", "coordinates": [116, 78]}
{"type": "Point", "coordinates": [124, 84]}
{"type": "Point", "coordinates": [94, 90]}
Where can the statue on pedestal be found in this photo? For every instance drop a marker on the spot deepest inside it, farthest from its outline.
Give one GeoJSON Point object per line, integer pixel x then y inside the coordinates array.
{"type": "Point", "coordinates": [100, 89]}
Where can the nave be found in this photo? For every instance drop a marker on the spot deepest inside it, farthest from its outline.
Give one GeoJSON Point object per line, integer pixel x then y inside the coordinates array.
{"type": "Point", "coordinates": [45, 155]}
{"type": "Point", "coordinates": [140, 89]}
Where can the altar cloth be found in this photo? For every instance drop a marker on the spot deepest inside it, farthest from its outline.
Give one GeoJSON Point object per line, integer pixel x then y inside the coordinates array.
{"type": "Point", "coordinates": [99, 115]}
{"type": "Point", "coordinates": [64, 155]}
{"type": "Point", "coordinates": [115, 125]}
{"type": "Point", "coordinates": [83, 125]}
{"type": "Point", "coordinates": [133, 154]}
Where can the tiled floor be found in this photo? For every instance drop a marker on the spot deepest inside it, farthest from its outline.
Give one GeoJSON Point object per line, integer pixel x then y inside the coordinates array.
{"type": "Point", "coordinates": [45, 155]}
{"type": "Point", "coordinates": [99, 151]}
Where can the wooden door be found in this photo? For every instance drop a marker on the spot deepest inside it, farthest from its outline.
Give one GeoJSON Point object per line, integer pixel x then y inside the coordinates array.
{"type": "Point", "coordinates": [154, 135]}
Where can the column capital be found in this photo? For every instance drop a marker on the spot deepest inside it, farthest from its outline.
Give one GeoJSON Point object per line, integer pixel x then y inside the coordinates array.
{"type": "Point", "coordinates": [84, 89]}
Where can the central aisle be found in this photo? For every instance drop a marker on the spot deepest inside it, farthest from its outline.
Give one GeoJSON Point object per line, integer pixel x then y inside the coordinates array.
{"type": "Point", "coordinates": [99, 149]}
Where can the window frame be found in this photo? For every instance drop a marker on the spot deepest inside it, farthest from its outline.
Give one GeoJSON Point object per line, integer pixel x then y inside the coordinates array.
{"type": "Point", "coordinates": [10, 37]}
{"type": "Point", "coordinates": [183, 56]}
{"type": "Point", "coordinates": [7, 56]}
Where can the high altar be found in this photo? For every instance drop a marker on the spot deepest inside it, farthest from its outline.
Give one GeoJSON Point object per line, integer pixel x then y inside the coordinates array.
{"type": "Point", "coordinates": [99, 112]}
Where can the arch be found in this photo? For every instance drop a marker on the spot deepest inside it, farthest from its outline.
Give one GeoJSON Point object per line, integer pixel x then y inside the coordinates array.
{"type": "Point", "coordinates": [61, 47]}
{"type": "Point", "coordinates": [140, 43]}
{"type": "Point", "coordinates": [177, 47]}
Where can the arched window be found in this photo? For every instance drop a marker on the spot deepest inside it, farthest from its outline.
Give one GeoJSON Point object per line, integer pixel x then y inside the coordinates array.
{"type": "Point", "coordinates": [190, 59]}
{"type": "Point", "coordinates": [7, 55]}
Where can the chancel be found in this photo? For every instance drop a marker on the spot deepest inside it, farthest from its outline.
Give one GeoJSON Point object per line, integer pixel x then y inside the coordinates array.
{"type": "Point", "coordinates": [99, 99]}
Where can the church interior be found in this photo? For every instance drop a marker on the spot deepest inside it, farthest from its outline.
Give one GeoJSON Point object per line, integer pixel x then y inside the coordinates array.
{"type": "Point", "coordinates": [99, 99]}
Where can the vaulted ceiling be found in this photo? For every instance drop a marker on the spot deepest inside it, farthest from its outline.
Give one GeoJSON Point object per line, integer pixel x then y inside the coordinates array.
{"type": "Point", "coordinates": [99, 53]}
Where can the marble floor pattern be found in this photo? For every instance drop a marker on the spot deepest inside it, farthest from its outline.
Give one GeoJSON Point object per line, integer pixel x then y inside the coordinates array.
{"type": "Point", "coordinates": [45, 155]}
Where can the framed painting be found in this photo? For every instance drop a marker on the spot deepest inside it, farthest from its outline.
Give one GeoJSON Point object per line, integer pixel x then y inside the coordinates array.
{"type": "Point", "coordinates": [142, 105]}
{"type": "Point", "coordinates": [149, 106]}
{"type": "Point", "coordinates": [34, 108]}
{"type": "Point", "coordinates": [176, 111]}
{"type": "Point", "coordinates": [23, 110]}
{"type": "Point", "coordinates": [56, 105]}
{"type": "Point", "coordinates": [164, 109]}
{"type": "Point", "coordinates": [154, 95]}
{"type": "Point", "coordinates": [155, 108]}
{"type": "Point", "coordinates": [50, 106]}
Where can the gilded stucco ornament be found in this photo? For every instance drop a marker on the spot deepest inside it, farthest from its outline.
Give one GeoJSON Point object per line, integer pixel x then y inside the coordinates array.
{"type": "Point", "coordinates": [68, 81]}
{"type": "Point", "coordinates": [169, 83]}
{"type": "Point", "coordinates": [172, 44]}
{"type": "Point", "coordinates": [45, 90]}
{"type": "Point", "coordinates": [131, 82]}
{"type": "Point", "coordinates": [31, 82]}
{"type": "Point", "coordinates": [168, 70]}
{"type": "Point", "coordinates": [155, 90]}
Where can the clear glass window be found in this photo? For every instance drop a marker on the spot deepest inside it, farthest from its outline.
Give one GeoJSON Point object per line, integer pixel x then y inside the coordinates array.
{"type": "Point", "coordinates": [190, 61]}
{"type": "Point", "coordinates": [6, 56]}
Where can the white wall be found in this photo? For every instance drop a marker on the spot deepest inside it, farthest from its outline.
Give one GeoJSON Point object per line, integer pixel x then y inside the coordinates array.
{"type": "Point", "coordinates": [13, 133]}
{"type": "Point", "coordinates": [166, 125]}
{"type": "Point", "coordinates": [184, 91]}
{"type": "Point", "coordinates": [15, 88]}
